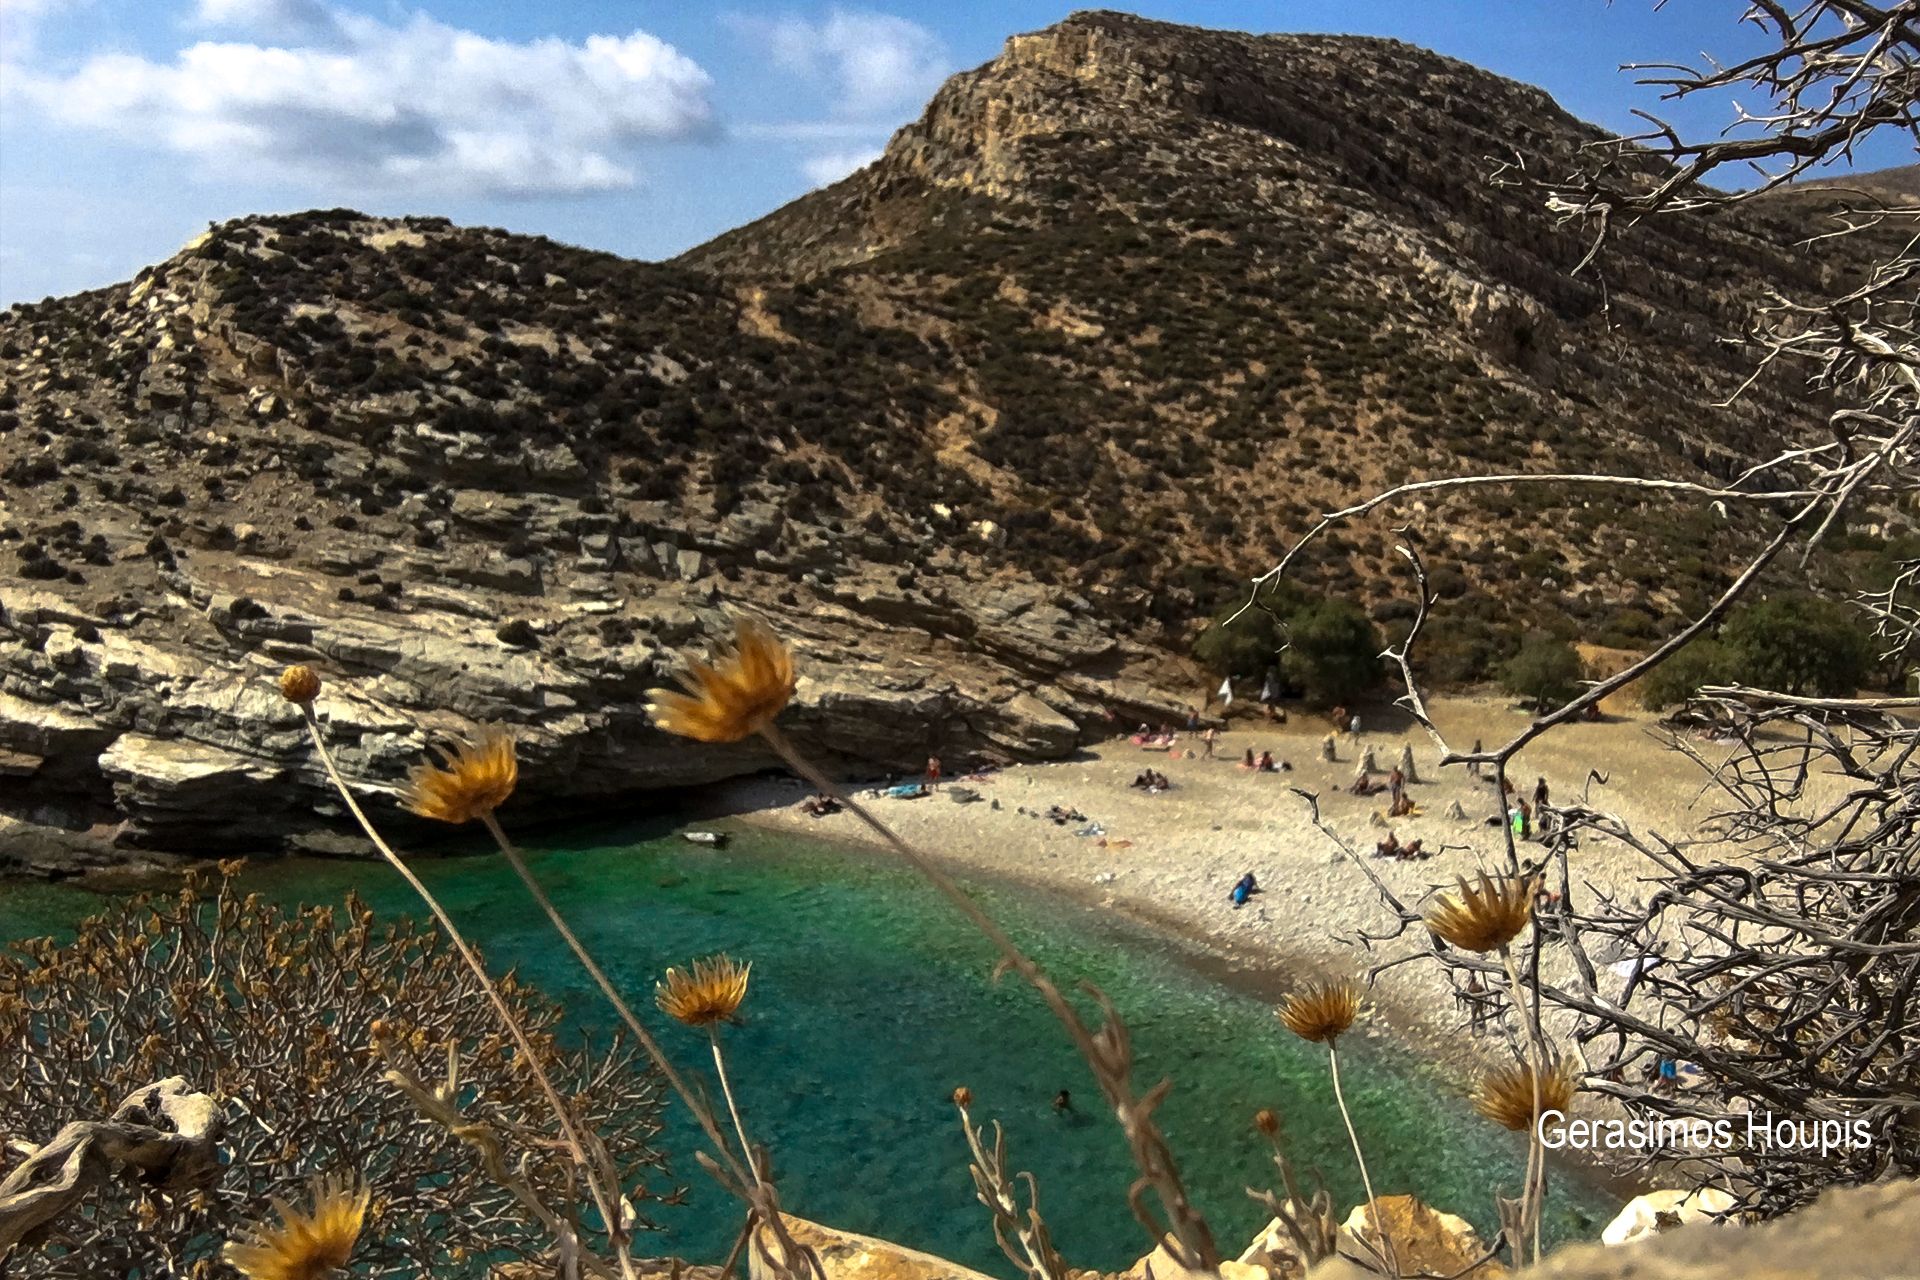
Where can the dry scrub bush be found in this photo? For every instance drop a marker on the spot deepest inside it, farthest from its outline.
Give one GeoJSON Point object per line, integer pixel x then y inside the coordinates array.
{"type": "Point", "coordinates": [272, 1012]}
{"type": "Point", "coordinates": [1789, 968]}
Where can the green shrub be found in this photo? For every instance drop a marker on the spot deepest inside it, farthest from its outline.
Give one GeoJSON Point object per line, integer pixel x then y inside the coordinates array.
{"type": "Point", "coordinates": [1248, 645]}
{"type": "Point", "coordinates": [1545, 671]}
{"type": "Point", "coordinates": [1333, 653]}
{"type": "Point", "coordinates": [1703, 662]}
{"type": "Point", "coordinates": [1799, 644]}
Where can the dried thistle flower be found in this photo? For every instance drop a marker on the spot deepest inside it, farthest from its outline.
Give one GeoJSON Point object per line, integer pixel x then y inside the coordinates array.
{"type": "Point", "coordinates": [1505, 1094]}
{"type": "Point", "coordinates": [736, 694]}
{"type": "Point", "coordinates": [1266, 1121]}
{"type": "Point", "coordinates": [1485, 915]}
{"type": "Point", "coordinates": [711, 993]}
{"type": "Point", "coordinates": [299, 685]}
{"type": "Point", "coordinates": [963, 1097]}
{"type": "Point", "coordinates": [306, 1245]}
{"type": "Point", "coordinates": [1321, 1011]}
{"type": "Point", "coordinates": [475, 778]}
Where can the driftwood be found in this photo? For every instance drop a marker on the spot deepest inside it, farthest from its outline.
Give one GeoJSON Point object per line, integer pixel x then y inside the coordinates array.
{"type": "Point", "coordinates": [165, 1132]}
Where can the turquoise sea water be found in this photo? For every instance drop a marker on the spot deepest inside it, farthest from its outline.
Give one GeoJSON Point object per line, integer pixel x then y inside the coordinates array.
{"type": "Point", "coordinates": [871, 1000]}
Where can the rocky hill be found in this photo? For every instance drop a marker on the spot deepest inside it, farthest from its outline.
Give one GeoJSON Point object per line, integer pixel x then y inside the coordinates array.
{"type": "Point", "coordinates": [988, 428]}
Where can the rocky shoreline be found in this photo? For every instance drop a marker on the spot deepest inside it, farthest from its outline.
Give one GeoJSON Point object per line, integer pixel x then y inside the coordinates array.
{"type": "Point", "coordinates": [158, 728]}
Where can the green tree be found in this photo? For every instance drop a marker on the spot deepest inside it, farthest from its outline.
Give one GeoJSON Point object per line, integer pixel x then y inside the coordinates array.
{"type": "Point", "coordinates": [1799, 644]}
{"type": "Point", "coordinates": [1703, 662]}
{"type": "Point", "coordinates": [1333, 651]}
{"type": "Point", "coordinates": [1545, 671]}
{"type": "Point", "coordinates": [1248, 645]}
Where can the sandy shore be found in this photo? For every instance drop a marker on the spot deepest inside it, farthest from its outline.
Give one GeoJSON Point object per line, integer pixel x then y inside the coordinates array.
{"type": "Point", "coordinates": [1170, 859]}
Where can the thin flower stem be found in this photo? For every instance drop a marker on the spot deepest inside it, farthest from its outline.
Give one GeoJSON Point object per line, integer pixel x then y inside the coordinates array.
{"type": "Point", "coordinates": [733, 1108]}
{"type": "Point", "coordinates": [739, 1243]}
{"type": "Point", "coordinates": [1189, 1228]}
{"type": "Point", "coordinates": [702, 1113]}
{"type": "Point", "coordinates": [1366, 1180]}
{"type": "Point", "coordinates": [1535, 1062]}
{"type": "Point", "coordinates": [761, 1202]}
{"type": "Point", "coordinates": [615, 1222]}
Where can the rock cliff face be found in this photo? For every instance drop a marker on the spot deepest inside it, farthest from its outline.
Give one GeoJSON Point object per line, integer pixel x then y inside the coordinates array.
{"type": "Point", "coordinates": [986, 430]}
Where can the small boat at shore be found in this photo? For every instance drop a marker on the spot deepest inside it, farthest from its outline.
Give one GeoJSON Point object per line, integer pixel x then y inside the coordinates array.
{"type": "Point", "coordinates": [712, 839]}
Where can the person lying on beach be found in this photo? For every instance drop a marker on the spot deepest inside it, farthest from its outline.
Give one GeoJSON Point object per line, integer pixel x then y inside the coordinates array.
{"type": "Point", "coordinates": [1392, 848]}
{"type": "Point", "coordinates": [1060, 817]}
{"type": "Point", "coordinates": [1266, 763]}
{"type": "Point", "coordinates": [819, 806]}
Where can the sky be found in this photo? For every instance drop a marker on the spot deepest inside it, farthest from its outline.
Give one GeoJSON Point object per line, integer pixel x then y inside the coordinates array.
{"type": "Point", "coordinates": [642, 128]}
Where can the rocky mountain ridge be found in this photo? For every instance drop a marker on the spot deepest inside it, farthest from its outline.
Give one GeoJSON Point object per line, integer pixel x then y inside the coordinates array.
{"type": "Point", "coordinates": [986, 430]}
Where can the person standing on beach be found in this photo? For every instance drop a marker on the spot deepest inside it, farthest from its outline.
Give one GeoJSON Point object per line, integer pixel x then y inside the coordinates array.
{"type": "Point", "coordinates": [1473, 766]}
{"type": "Point", "coordinates": [933, 773]}
{"type": "Point", "coordinates": [1211, 738]}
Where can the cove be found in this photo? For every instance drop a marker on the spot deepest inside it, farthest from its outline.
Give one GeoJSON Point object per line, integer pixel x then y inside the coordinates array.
{"type": "Point", "coordinates": [870, 1001]}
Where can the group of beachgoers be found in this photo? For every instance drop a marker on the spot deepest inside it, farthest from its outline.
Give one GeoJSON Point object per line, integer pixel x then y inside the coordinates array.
{"type": "Point", "coordinates": [1412, 851]}
{"type": "Point", "coordinates": [1151, 781]}
{"type": "Point", "coordinates": [1265, 763]}
{"type": "Point", "coordinates": [1151, 740]}
{"type": "Point", "coordinates": [1522, 814]}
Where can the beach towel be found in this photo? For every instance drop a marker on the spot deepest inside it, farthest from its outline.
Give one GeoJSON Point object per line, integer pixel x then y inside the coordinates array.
{"type": "Point", "coordinates": [1091, 829]}
{"type": "Point", "coordinates": [908, 791]}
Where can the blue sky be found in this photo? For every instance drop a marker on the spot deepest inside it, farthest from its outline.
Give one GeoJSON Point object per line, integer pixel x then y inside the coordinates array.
{"type": "Point", "coordinates": [638, 127]}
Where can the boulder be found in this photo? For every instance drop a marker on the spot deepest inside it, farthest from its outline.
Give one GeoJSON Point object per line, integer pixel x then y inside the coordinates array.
{"type": "Point", "coordinates": [1425, 1240]}
{"type": "Point", "coordinates": [1850, 1233]}
{"type": "Point", "coordinates": [36, 729]}
{"type": "Point", "coordinates": [1659, 1211]}
{"type": "Point", "coordinates": [846, 1255]}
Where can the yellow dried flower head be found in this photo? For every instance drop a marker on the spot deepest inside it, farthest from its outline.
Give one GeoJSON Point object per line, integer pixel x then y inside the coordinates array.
{"type": "Point", "coordinates": [963, 1097]}
{"type": "Point", "coordinates": [1505, 1094]}
{"type": "Point", "coordinates": [1485, 915]}
{"type": "Point", "coordinates": [306, 1245]}
{"type": "Point", "coordinates": [299, 685]}
{"type": "Point", "coordinates": [711, 993]}
{"type": "Point", "coordinates": [475, 778]}
{"type": "Point", "coordinates": [1266, 1121]}
{"type": "Point", "coordinates": [1320, 1011]}
{"type": "Point", "coordinates": [736, 694]}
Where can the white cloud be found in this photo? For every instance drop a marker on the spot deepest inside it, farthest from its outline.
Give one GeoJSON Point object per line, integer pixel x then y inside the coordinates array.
{"type": "Point", "coordinates": [20, 28]}
{"type": "Point", "coordinates": [268, 17]}
{"type": "Point", "coordinates": [835, 165]}
{"type": "Point", "coordinates": [413, 104]}
{"type": "Point", "coordinates": [872, 63]}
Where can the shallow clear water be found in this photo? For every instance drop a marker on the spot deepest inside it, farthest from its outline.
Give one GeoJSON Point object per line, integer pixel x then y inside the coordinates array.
{"type": "Point", "coordinates": [870, 1001]}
